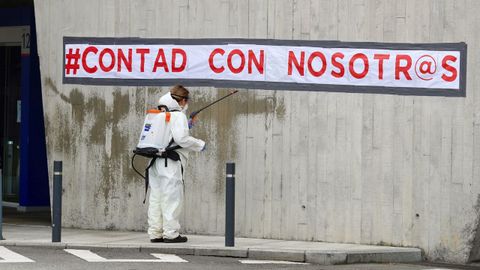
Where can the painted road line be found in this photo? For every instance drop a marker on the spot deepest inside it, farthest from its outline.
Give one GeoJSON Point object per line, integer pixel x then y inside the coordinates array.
{"type": "Point", "coordinates": [168, 257]}
{"type": "Point", "coordinates": [89, 256]}
{"type": "Point", "coordinates": [86, 255]}
{"type": "Point", "coordinates": [8, 256]}
{"type": "Point", "coordinates": [269, 262]}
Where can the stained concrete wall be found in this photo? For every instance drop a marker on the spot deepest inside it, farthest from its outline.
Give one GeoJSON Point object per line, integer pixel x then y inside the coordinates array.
{"type": "Point", "coordinates": [361, 168]}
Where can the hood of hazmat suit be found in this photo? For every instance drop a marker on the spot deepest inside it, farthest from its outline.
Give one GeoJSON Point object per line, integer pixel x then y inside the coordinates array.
{"type": "Point", "coordinates": [179, 128]}
{"type": "Point", "coordinates": [168, 101]}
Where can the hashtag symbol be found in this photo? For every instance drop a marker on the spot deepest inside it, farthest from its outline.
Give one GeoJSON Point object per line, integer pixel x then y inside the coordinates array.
{"type": "Point", "coordinates": [72, 61]}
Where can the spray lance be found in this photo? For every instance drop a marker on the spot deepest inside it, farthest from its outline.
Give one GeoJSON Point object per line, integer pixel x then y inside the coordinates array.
{"type": "Point", "coordinates": [193, 114]}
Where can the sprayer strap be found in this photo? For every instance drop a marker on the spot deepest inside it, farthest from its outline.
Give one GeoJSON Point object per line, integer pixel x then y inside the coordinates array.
{"type": "Point", "coordinates": [147, 182]}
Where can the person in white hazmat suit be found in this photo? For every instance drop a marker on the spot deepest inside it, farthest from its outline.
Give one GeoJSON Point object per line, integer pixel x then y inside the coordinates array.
{"type": "Point", "coordinates": [166, 177]}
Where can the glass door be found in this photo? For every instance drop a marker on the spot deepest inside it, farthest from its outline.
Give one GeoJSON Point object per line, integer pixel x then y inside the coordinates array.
{"type": "Point", "coordinates": [10, 72]}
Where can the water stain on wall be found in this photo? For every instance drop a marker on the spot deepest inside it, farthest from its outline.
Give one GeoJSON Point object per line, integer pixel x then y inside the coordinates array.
{"type": "Point", "coordinates": [61, 138]}
{"type": "Point", "coordinates": [223, 116]}
{"type": "Point", "coordinates": [50, 84]}
{"type": "Point", "coordinates": [94, 109]}
{"type": "Point", "coordinates": [77, 99]}
{"type": "Point", "coordinates": [475, 242]}
{"type": "Point", "coordinates": [95, 106]}
{"type": "Point", "coordinates": [140, 101]}
{"type": "Point", "coordinates": [111, 167]}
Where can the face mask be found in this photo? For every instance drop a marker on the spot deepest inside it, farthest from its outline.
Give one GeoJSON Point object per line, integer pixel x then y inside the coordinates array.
{"type": "Point", "coordinates": [185, 108]}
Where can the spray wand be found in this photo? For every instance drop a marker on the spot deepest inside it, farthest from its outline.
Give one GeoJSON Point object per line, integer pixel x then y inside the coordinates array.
{"type": "Point", "coordinates": [193, 114]}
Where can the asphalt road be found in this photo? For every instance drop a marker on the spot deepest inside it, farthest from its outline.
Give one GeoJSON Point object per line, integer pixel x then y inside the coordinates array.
{"type": "Point", "coordinates": [103, 259]}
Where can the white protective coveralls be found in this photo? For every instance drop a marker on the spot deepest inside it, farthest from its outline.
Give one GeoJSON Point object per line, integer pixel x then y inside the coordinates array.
{"type": "Point", "coordinates": [166, 183]}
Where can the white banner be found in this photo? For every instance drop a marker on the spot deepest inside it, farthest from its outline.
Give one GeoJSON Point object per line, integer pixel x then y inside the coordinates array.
{"type": "Point", "coordinates": [303, 65]}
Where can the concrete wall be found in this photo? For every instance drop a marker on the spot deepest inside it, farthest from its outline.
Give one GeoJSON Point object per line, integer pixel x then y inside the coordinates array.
{"type": "Point", "coordinates": [361, 168]}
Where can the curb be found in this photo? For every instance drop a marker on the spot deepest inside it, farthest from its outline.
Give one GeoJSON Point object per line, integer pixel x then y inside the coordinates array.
{"type": "Point", "coordinates": [322, 257]}
{"type": "Point", "coordinates": [275, 254]}
{"type": "Point", "coordinates": [326, 258]}
{"type": "Point", "coordinates": [222, 252]}
{"type": "Point", "coordinates": [384, 257]}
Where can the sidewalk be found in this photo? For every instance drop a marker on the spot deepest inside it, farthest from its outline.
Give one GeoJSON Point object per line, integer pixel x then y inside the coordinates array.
{"type": "Point", "coordinates": [264, 249]}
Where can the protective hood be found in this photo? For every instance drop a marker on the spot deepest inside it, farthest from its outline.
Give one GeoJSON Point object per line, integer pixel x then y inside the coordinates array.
{"type": "Point", "coordinates": [168, 101]}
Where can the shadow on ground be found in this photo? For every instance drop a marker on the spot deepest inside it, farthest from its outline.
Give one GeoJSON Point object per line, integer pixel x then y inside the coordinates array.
{"type": "Point", "coordinates": [13, 216]}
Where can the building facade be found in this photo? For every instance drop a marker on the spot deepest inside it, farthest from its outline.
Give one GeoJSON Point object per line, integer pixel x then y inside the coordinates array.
{"type": "Point", "coordinates": [311, 165]}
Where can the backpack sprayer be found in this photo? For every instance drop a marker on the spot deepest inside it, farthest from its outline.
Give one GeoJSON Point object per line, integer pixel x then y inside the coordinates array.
{"type": "Point", "coordinates": [169, 152]}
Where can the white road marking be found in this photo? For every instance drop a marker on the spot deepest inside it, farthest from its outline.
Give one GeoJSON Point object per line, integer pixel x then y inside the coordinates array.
{"type": "Point", "coordinates": [86, 255]}
{"type": "Point", "coordinates": [269, 262]}
{"type": "Point", "coordinates": [168, 257]}
{"type": "Point", "coordinates": [8, 256]}
{"type": "Point", "coordinates": [89, 256]}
